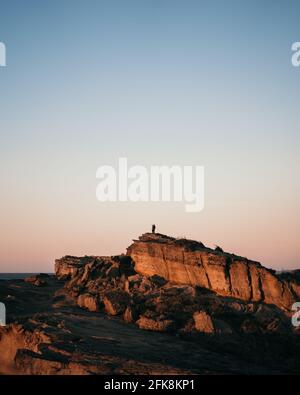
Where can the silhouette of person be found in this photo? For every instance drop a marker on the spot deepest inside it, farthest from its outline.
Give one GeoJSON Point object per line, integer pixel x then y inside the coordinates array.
{"type": "Point", "coordinates": [153, 228]}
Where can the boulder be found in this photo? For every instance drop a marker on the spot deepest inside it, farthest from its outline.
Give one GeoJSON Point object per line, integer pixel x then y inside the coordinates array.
{"type": "Point", "coordinates": [115, 302]}
{"type": "Point", "coordinates": [37, 280]}
{"type": "Point", "coordinates": [271, 320]}
{"type": "Point", "coordinates": [88, 301]}
{"type": "Point", "coordinates": [130, 314]}
{"type": "Point", "coordinates": [203, 322]}
{"type": "Point", "coordinates": [157, 325]}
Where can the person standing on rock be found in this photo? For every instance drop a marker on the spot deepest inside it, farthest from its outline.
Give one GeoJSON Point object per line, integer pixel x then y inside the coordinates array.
{"type": "Point", "coordinates": [153, 228]}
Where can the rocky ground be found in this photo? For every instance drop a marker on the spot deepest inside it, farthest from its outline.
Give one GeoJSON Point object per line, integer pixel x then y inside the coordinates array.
{"type": "Point", "coordinates": [168, 306]}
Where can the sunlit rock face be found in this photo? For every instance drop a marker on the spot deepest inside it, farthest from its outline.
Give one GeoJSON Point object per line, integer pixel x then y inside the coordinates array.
{"type": "Point", "coordinates": [189, 262]}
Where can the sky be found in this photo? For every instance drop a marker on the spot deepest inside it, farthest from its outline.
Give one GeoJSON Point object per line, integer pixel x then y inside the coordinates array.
{"type": "Point", "coordinates": [160, 82]}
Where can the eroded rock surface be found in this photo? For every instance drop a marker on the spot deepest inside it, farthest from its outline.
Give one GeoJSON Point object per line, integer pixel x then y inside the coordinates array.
{"type": "Point", "coordinates": [188, 262]}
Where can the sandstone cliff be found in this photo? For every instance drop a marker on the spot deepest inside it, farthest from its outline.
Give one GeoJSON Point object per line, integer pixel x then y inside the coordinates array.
{"type": "Point", "coordinates": [176, 285]}
{"type": "Point", "coordinates": [188, 262]}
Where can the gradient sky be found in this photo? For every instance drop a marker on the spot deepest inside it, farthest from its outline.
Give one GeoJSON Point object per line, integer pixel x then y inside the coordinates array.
{"type": "Point", "coordinates": [159, 82]}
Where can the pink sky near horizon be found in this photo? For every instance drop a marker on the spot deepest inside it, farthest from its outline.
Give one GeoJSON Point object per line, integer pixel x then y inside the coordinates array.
{"type": "Point", "coordinates": [31, 244]}
{"type": "Point", "coordinates": [49, 207]}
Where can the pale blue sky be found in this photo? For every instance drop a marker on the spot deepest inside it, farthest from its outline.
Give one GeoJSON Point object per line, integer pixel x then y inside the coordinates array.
{"type": "Point", "coordinates": [160, 82]}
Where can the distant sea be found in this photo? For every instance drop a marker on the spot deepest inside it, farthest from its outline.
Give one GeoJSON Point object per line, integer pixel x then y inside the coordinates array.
{"type": "Point", "coordinates": [16, 276]}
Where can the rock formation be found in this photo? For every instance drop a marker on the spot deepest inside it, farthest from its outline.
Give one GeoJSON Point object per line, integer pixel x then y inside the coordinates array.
{"type": "Point", "coordinates": [177, 285]}
{"type": "Point", "coordinates": [165, 296]}
{"type": "Point", "coordinates": [182, 261]}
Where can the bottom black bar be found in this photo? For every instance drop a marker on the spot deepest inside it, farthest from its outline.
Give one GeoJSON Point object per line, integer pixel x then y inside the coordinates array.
{"type": "Point", "coordinates": [136, 384]}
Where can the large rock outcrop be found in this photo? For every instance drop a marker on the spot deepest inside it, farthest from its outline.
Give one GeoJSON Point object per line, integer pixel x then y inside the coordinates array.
{"type": "Point", "coordinates": [169, 285]}
{"type": "Point", "coordinates": [99, 315]}
{"type": "Point", "coordinates": [188, 262]}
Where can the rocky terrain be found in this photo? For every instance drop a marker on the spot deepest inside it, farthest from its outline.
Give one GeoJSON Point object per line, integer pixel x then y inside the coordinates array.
{"type": "Point", "coordinates": [170, 306]}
